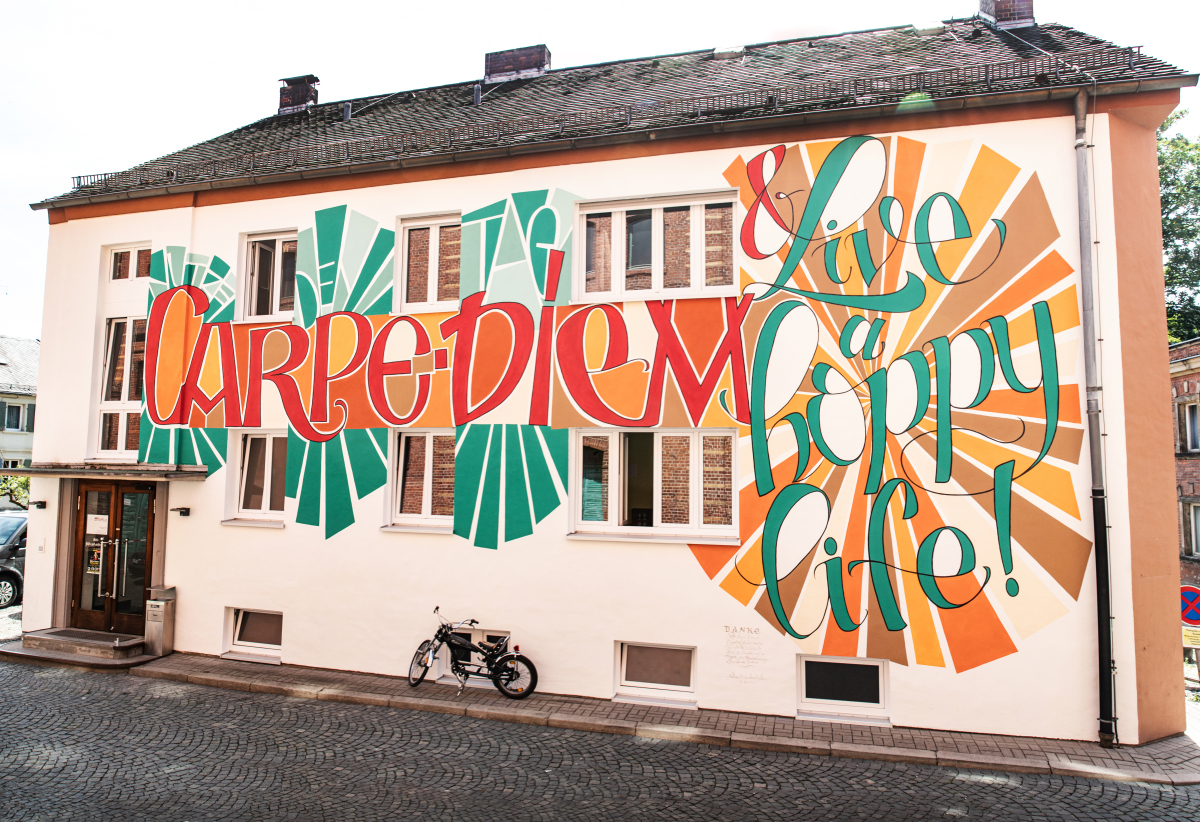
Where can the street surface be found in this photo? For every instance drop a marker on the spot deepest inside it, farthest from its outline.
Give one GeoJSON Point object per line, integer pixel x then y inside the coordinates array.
{"type": "Point", "coordinates": [10, 623]}
{"type": "Point", "coordinates": [102, 746]}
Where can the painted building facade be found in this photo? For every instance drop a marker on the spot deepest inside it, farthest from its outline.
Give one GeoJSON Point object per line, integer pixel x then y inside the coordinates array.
{"type": "Point", "coordinates": [18, 400]}
{"type": "Point", "coordinates": [684, 414]}
{"type": "Point", "coordinates": [1185, 394]}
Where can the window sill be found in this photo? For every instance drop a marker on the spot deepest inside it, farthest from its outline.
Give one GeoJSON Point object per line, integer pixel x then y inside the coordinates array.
{"type": "Point", "coordinates": [254, 523]}
{"type": "Point", "coordinates": [246, 656]}
{"type": "Point", "coordinates": [669, 539]}
{"type": "Point", "coordinates": [880, 720]}
{"type": "Point", "coordinates": [429, 308]}
{"type": "Point", "coordinates": [666, 294]}
{"type": "Point", "coordinates": [680, 702]}
{"type": "Point", "coordinates": [113, 460]}
{"type": "Point", "coordinates": [401, 528]}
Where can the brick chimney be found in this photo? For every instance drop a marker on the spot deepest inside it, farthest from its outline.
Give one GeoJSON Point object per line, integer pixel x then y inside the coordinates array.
{"type": "Point", "coordinates": [1008, 14]}
{"type": "Point", "coordinates": [516, 64]}
{"type": "Point", "coordinates": [298, 93]}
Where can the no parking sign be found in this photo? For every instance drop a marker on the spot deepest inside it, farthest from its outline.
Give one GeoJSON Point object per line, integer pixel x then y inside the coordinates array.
{"type": "Point", "coordinates": [1189, 605]}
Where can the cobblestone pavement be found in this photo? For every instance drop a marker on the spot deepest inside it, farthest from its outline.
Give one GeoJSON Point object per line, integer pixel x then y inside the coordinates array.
{"type": "Point", "coordinates": [10, 623]}
{"type": "Point", "coordinates": [94, 746]}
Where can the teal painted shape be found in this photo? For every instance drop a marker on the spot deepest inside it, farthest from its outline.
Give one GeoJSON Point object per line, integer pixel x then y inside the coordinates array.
{"type": "Point", "coordinates": [185, 451]}
{"type": "Point", "coordinates": [383, 305]}
{"type": "Point", "coordinates": [158, 449]}
{"type": "Point", "coordinates": [491, 236]}
{"type": "Point", "coordinates": [470, 266]}
{"type": "Point", "coordinates": [384, 243]}
{"type": "Point", "coordinates": [526, 203]}
{"type": "Point", "coordinates": [543, 234]}
{"type": "Point", "coordinates": [381, 437]}
{"type": "Point", "coordinates": [468, 471]}
{"type": "Point", "coordinates": [368, 468]}
{"type": "Point", "coordinates": [295, 461]}
{"type": "Point", "coordinates": [330, 224]}
{"type": "Point", "coordinates": [557, 441]}
{"type": "Point", "coordinates": [516, 494]}
{"type": "Point", "coordinates": [357, 244]}
{"type": "Point", "coordinates": [309, 512]}
{"type": "Point", "coordinates": [145, 435]}
{"type": "Point", "coordinates": [564, 202]}
{"type": "Point", "coordinates": [158, 268]}
{"type": "Point", "coordinates": [339, 509]}
{"type": "Point", "coordinates": [487, 528]}
{"type": "Point", "coordinates": [174, 266]}
{"type": "Point", "coordinates": [307, 304]}
{"type": "Point", "coordinates": [541, 484]}
{"type": "Point", "coordinates": [496, 209]}
{"type": "Point", "coordinates": [189, 274]}
{"type": "Point", "coordinates": [512, 245]}
{"type": "Point", "coordinates": [217, 269]}
{"type": "Point", "coordinates": [213, 446]}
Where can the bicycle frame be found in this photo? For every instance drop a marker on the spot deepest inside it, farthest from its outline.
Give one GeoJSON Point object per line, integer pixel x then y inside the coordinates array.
{"type": "Point", "coordinates": [491, 654]}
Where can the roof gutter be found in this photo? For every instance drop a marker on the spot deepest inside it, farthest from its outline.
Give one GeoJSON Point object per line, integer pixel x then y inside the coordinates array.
{"type": "Point", "coordinates": [944, 104]}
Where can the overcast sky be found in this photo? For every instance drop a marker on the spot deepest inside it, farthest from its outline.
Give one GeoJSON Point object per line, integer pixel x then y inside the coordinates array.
{"type": "Point", "coordinates": [88, 87]}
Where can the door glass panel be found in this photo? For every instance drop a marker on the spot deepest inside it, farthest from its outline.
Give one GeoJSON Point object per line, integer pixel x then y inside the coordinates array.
{"type": "Point", "coordinates": [95, 549]}
{"type": "Point", "coordinates": [131, 553]}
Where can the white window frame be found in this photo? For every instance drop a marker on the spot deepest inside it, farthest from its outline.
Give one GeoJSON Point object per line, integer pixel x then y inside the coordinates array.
{"type": "Point", "coordinates": [1190, 441]}
{"type": "Point", "coordinates": [20, 416]}
{"type": "Point", "coordinates": [616, 482]}
{"type": "Point", "coordinates": [427, 303]}
{"type": "Point", "coordinates": [634, 686]}
{"type": "Point", "coordinates": [133, 249]}
{"type": "Point", "coordinates": [238, 615]}
{"type": "Point", "coordinates": [250, 280]}
{"type": "Point", "coordinates": [265, 514]}
{"type": "Point", "coordinates": [1194, 525]}
{"type": "Point", "coordinates": [426, 520]}
{"type": "Point", "coordinates": [874, 714]}
{"type": "Point", "coordinates": [123, 406]}
{"type": "Point", "coordinates": [12, 463]}
{"type": "Point", "coordinates": [656, 205]}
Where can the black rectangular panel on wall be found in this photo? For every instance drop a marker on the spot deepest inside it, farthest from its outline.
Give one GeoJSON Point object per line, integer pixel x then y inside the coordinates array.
{"type": "Point", "coordinates": [841, 681]}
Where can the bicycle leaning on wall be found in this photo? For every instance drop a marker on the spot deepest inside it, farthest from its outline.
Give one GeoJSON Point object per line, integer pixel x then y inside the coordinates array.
{"type": "Point", "coordinates": [511, 673]}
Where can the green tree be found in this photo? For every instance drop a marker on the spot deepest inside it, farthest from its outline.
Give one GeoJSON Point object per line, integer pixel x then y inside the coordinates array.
{"type": "Point", "coordinates": [17, 488]}
{"type": "Point", "coordinates": [1179, 178]}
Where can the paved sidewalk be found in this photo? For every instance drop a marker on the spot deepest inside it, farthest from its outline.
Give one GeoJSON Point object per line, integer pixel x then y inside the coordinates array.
{"type": "Point", "coordinates": [1171, 761]}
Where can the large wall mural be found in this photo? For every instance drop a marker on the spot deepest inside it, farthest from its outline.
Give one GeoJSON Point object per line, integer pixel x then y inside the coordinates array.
{"type": "Point", "coordinates": [900, 364]}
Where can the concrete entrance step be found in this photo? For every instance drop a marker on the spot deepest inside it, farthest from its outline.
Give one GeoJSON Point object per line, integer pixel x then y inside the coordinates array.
{"type": "Point", "coordinates": [16, 652]}
{"type": "Point", "coordinates": [97, 644]}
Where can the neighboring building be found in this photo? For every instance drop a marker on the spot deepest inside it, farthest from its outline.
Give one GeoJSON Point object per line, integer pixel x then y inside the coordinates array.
{"type": "Point", "coordinates": [1185, 397]}
{"type": "Point", "coordinates": [514, 348]}
{"type": "Point", "coordinates": [18, 396]}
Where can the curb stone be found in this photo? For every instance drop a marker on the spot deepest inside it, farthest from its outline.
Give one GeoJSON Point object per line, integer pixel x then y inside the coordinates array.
{"type": "Point", "coordinates": [218, 681]}
{"type": "Point", "coordinates": [622, 727]}
{"type": "Point", "coordinates": [436, 706]}
{"type": "Point", "coordinates": [1065, 767]}
{"type": "Point", "coordinates": [683, 733]}
{"type": "Point", "coordinates": [986, 762]}
{"type": "Point", "coordinates": [759, 742]}
{"type": "Point", "coordinates": [502, 715]}
{"type": "Point", "coordinates": [882, 753]}
{"type": "Point", "coordinates": [352, 697]}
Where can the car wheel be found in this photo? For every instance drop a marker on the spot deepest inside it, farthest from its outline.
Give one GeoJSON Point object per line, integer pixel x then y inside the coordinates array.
{"type": "Point", "coordinates": [9, 594]}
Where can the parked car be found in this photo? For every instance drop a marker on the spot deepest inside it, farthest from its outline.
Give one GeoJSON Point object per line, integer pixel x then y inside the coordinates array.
{"type": "Point", "coordinates": [12, 556]}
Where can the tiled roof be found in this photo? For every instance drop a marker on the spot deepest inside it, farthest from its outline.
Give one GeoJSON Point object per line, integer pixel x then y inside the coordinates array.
{"type": "Point", "coordinates": [18, 365]}
{"type": "Point", "coordinates": [840, 75]}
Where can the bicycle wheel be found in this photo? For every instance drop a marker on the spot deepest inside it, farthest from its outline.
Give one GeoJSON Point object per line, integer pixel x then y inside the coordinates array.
{"type": "Point", "coordinates": [419, 665]}
{"type": "Point", "coordinates": [515, 677]}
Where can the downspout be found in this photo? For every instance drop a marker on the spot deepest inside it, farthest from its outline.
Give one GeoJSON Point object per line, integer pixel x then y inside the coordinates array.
{"type": "Point", "coordinates": [1107, 669]}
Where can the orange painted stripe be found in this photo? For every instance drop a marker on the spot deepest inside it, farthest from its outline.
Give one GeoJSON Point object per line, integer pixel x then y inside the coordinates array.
{"type": "Point", "coordinates": [1046, 273]}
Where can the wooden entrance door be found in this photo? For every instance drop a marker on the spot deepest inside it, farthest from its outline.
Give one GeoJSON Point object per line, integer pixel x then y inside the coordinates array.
{"type": "Point", "coordinates": [112, 556]}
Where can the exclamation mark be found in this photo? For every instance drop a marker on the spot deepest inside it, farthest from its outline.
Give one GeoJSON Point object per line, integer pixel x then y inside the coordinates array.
{"type": "Point", "coordinates": [1002, 507]}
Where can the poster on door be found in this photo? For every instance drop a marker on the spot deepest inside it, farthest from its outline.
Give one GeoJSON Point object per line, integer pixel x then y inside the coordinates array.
{"type": "Point", "coordinates": [93, 563]}
{"type": "Point", "coordinates": [97, 525]}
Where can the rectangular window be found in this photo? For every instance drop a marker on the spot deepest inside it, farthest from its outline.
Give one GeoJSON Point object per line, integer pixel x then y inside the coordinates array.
{"type": "Point", "coordinates": [1193, 549]}
{"type": "Point", "coordinates": [263, 475]}
{"type": "Point", "coordinates": [656, 666]}
{"type": "Point", "coordinates": [672, 248]}
{"type": "Point", "coordinates": [134, 262]}
{"type": "Point", "coordinates": [432, 251]}
{"type": "Point", "coordinates": [258, 629]}
{"type": "Point", "coordinates": [424, 478]}
{"type": "Point", "coordinates": [12, 418]}
{"type": "Point", "coordinates": [1192, 426]}
{"type": "Point", "coordinates": [121, 390]}
{"type": "Point", "coordinates": [271, 284]}
{"type": "Point", "coordinates": [844, 682]}
{"type": "Point", "coordinates": [655, 482]}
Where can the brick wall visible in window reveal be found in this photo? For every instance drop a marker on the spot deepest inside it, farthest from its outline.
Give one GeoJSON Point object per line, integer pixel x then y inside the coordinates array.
{"type": "Point", "coordinates": [121, 265]}
{"type": "Point", "coordinates": [412, 471]}
{"type": "Point", "coordinates": [416, 289]}
{"type": "Point", "coordinates": [677, 252]}
{"type": "Point", "coordinates": [137, 361]}
{"type": "Point", "coordinates": [595, 481]}
{"type": "Point", "coordinates": [116, 376]}
{"type": "Point", "coordinates": [443, 477]}
{"type": "Point", "coordinates": [133, 426]}
{"type": "Point", "coordinates": [717, 456]}
{"type": "Point", "coordinates": [597, 276]}
{"type": "Point", "coordinates": [143, 263]}
{"type": "Point", "coordinates": [638, 279]}
{"type": "Point", "coordinates": [718, 244]}
{"type": "Point", "coordinates": [449, 243]}
{"type": "Point", "coordinates": [676, 464]}
{"type": "Point", "coordinates": [110, 425]}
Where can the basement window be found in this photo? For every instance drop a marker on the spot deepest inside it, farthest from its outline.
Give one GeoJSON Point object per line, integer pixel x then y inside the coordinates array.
{"type": "Point", "coordinates": [665, 248]}
{"type": "Point", "coordinates": [256, 636]}
{"type": "Point", "coordinates": [271, 284]}
{"type": "Point", "coordinates": [657, 666]}
{"type": "Point", "coordinates": [850, 688]}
